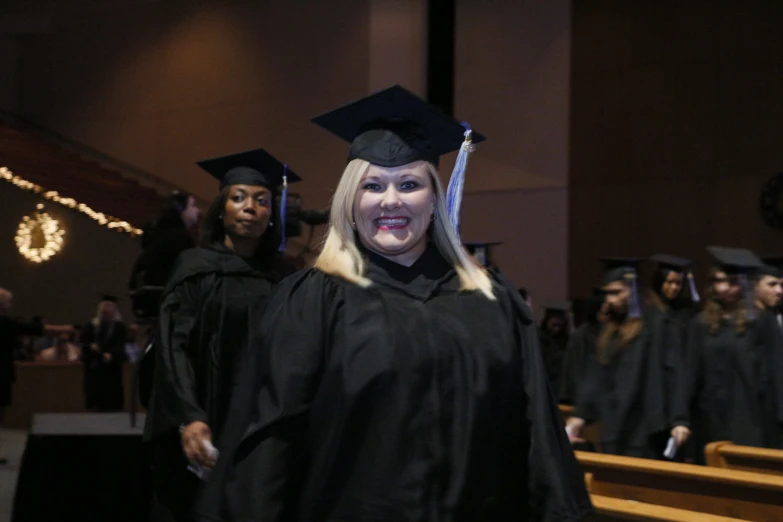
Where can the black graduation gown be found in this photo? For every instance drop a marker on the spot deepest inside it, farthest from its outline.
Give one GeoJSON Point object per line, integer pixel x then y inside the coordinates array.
{"type": "Point", "coordinates": [721, 395]}
{"type": "Point", "coordinates": [553, 350]}
{"type": "Point", "coordinates": [771, 367]}
{"type": "Point", "coordinates": [580, 347]}
{"type": "Point", "coordinates": [405, 401]}
{"type": "Point", "coordinates": [210, 309]}
{"type": "Point", "coordinates": [103, 388]}
{"type": "Point", "coordinates": [626, 395]}
{"type": "Point", "coordinates": [10, 330]}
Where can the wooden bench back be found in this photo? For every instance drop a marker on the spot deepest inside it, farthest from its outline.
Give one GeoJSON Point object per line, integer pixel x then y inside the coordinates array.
{"type": "Point", "coordinates": [724, 454]}
{"type": "Point", "coordinates": [728, 493]}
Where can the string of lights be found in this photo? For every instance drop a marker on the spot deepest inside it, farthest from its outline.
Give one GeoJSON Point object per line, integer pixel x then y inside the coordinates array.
{"type": "Point", "coordinates": [101, 218]}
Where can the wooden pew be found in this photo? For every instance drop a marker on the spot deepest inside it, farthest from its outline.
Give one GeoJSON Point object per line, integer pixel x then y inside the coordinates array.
{"type": "Point", "coordinates": [608, 509]}
{"type": "Point", "coordinates": [590, 433]}
{"type": "Point", "coordinates": [728, 493]}
{"type": "Point", "coordinates": [724, 454]}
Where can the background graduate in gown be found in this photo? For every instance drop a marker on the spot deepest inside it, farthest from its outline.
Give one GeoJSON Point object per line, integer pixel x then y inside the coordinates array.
{"type": "Point", "coordinates": [721, 394]}
{"type": "Point", "coordinates": [624, 385]}
{"type": "Point", "coordinates": [103, 354]}
{"type": "Point", "coordinates": [401, 380]}
{"type": "Point", "coordinates": [213, 301]}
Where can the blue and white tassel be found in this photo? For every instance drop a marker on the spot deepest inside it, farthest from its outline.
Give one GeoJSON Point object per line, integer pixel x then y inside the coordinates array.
{"type": "Point", "coordinates": [457, 181]}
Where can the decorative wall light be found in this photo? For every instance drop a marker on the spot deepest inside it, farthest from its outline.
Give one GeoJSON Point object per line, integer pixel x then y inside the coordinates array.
{"type": "Point", "coordinates": [39, 237]}
{"type": "Point", "coordinates": [99, 217]}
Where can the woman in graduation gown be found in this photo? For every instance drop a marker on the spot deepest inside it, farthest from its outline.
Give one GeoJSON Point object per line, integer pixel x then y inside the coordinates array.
{"type": "Point", "coordinates": [553, 337]}
{"type": "Point", "coordinates": [623, 388]}
{"type": "Point", "coordinates": [400, 380]}
{"type": "Point", "coordinates": [213, 300]}
{"type": "Point", "coordinates": [721, 396]}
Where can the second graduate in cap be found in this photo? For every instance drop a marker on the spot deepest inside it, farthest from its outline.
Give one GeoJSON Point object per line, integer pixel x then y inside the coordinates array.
{"type": "Point", "coordinates": [402, 380]}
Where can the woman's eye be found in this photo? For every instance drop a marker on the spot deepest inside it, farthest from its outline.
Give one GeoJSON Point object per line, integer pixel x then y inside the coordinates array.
{"type": "Point", "coordinates": [238, 198]}
{"type": "Point", "coordinates": [408, 185]}
{"type": "Point", "coordinates": [375, 187]}
{"type": "Point", "coordinates": [263, 202]}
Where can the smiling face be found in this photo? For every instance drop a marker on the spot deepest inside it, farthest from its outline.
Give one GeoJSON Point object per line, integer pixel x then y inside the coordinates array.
{"type": "Point", "coordinates": [672, 285]}
{"type": "Point", "coordinates": [393, 209]}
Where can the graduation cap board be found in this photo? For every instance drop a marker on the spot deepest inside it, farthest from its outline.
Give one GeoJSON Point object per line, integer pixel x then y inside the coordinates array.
{"type": "Point", "coordinates": [480, 250]}
{"type": "Point", "coordinates": [738, 262]}
{"type": "Point", "coordinates": [681, 266]}
{"type": "Point", "coordinates": [624, 269]}
{"type": "Point", "coordinates": [256, 168]}
{"type": "Point", "coordinates": [558, 307]}
{"type": "Point", "coordinates": [773, 266]}
{"type": "Point", "coordinates": [109, 298]}
{"type": "Point", "coordinates": [394, 127]}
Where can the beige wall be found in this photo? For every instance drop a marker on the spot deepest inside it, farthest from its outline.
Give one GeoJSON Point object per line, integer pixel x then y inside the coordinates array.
{"type": "Point", "coordinates": [512, 77]}
{"type": "Point", "coordinates": [166, 84]}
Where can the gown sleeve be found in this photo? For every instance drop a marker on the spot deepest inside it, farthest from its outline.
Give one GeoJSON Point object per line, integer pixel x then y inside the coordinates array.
{"type": "Point", "coordinates": [689, 380]}
{"type": "Point", "coordinates": [263, 440]}
{"type": "Point", "coordinates": [556, 485]}
{"type": "Point", "coordinates": [175, 378]}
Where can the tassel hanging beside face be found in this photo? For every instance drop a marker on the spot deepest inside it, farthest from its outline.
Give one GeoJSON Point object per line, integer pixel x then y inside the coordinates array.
{"type": "Point", "coordinates": [457, 180]}
{"type": "Point", "coordinates": [283, 209]}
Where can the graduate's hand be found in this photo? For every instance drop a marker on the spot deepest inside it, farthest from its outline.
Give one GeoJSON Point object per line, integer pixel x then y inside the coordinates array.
{"type": "Point", "coordinates": [193, 436]}
{"type": "Point", "coordinates": [681, 435]}
{"type": "Point", "coordinates": [107, 357]}
{"type": "Point", "coordinates": [574, 428]}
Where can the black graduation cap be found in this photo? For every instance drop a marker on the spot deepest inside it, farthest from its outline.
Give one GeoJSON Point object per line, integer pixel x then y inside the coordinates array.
{"type": "Point", "coordinates": [562, 307]}
{"type": "Point", "coordinates": [667, 262]}
{"type": "Point", "coordinates": [679, 265]}
{"type": "Point", "coordinates": [624, 269]}
{"type": "Point", "coordinates": [110, 298]}
{"type": "Point", "coordinates": [735, 260]}
{"type": "Point", "coordinates": [252, 167]}
{"type": "Point", "coordinates": [773, 266]}
{"type": "Point", "coordinates": [394, 127]}
{"type": "Point", "coordinates": [619, 268]}
{"type": "Point", "coordinates": [480, 250]}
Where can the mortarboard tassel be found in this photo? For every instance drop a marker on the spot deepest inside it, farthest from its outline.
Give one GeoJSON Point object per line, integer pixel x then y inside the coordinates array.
{"type": "Point", "coordinates": [692, 284]}
{"type": "Point", "coordinates": [634, 309]}
{"type": "Point", "coordinates": [283, 208]}
{"type": "Point", "coordinates": [747, 296]}
{"type": "Point", "coordinates": [457, 181]}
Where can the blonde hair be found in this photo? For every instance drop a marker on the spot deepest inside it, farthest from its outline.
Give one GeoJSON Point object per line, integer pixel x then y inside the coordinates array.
{"type": "Point", "coordinates": [341, 257]}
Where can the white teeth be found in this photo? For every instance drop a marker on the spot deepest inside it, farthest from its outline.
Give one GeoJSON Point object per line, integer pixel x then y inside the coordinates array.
{"type": "Point", "coordinates": [384, 221]}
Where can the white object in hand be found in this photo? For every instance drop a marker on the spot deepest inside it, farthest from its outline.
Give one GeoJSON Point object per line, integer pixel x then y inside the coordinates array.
{"type": "Point", "coordinates": [671, 448]}
{"type": "Point", "coordinates": [199, 470]}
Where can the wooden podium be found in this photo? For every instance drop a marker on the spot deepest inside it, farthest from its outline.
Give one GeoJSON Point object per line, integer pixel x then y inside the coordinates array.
{"type": "Point", "coordinates": [54, 387]}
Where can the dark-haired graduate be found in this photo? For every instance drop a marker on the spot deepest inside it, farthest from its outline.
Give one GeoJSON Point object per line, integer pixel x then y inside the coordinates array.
{"type": "Point", "coordinates": [722, 393]}
{"type": "Point", "coordinates": [623, 388]}
{"type": "Point", "coordinates": [400, 379]}
{"type": "Point", "coordinates": [213, 301]}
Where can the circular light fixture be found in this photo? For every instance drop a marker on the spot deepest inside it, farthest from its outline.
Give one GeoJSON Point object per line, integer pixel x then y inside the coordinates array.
{"type": "Point", "coordinates": [39, 237]}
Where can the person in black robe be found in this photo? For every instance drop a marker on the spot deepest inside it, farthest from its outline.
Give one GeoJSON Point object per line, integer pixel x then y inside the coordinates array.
{"type": "Point", "coordinates": [11, 329]}
{"type": "Point", "coordinates": [398, 379]}
{"type": "Point", "coordinates": [623, 388]}
{"type": "Point", "coordinates": [721, 395]}
{"type": "Point", "coordinates": [212, 303]}
{"type": "Point", "coordinates": [581, 347]}
{"type": "Point", "coordinates": [103, 353]}
{"type": "Point", "coordinates": [768, 294]}
{"type": "Point", "coordinates": [553, 335]}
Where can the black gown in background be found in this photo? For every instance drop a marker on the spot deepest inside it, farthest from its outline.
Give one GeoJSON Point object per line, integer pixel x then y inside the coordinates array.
{"type": "Point", "coordinates": [10, 331]}
{"type": "Point", "coordinates": [405, 401]}
{"type": "Point", "coordinates": [626, 394]}
{"type": "Point", "coordinates": [211, 306]}
{"type": "Point", "coordinates": [553, 351]}
{"type": "Point", "coordinates": [721, 396]}
{"type": "Point", "coordinates": [581, 346]}
{"type": "Point", "coordinates": [103, 387]}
